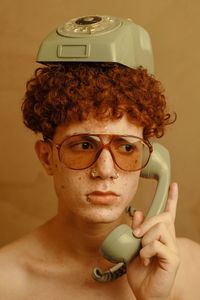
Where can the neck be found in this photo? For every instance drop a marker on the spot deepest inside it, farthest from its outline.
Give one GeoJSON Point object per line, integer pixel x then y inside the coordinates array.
{"type": "Point", "coordinates": [79, 238]}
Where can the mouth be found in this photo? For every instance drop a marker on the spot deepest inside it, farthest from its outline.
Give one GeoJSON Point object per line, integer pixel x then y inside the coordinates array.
{"type": "Point", "coordinates": [104, 198]}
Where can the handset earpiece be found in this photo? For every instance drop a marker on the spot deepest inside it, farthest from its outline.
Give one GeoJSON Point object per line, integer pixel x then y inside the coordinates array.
{"type": "Point", "coordinates": [120, 246]}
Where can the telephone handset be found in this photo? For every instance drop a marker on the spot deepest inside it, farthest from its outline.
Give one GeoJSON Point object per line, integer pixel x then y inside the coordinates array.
{"type": "Point", "coordinates": [120, 246]}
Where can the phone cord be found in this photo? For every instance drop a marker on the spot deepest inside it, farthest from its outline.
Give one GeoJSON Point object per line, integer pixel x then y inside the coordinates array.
{"type": "Point", "coordinates": [113, 273]}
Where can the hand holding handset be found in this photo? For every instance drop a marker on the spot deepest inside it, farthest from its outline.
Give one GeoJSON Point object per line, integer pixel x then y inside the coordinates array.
{"type": "Point", "coordinates": [120, 246]}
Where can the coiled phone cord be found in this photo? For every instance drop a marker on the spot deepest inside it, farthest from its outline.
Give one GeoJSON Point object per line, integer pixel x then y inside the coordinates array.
{"type": "Point", "coordinates": [113, 273]}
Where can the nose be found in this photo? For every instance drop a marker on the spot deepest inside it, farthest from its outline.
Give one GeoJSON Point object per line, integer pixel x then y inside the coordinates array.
{"type": "Point", "coordinates": [105, 165]}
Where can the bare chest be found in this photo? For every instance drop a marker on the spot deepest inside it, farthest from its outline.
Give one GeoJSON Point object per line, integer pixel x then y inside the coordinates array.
{"type": "Point", "coordinates": [77, 287]}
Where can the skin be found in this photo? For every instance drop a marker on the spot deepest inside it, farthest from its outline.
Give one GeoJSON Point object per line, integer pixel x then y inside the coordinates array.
{"type": "Point", "coordinates": [55, 261]}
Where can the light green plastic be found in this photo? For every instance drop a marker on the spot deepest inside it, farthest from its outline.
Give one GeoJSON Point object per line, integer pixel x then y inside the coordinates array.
{"type": "Point", "coordinates": [119, 40]}
{"type": "Point", "coordinates": [120, 245]}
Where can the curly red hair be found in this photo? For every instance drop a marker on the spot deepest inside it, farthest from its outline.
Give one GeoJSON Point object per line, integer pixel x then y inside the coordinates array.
{"type": "Point", "coordinates": [71, 92]}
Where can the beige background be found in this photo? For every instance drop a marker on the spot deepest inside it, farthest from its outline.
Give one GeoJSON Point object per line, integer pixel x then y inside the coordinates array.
{"type": "Point", "coordinates": [27, 198]}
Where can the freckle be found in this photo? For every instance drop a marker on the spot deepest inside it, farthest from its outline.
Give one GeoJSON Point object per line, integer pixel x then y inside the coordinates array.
{"type": "Point", "coordinates": [62, 187]}
{"type": "Point", "coordinates": [56, 165]}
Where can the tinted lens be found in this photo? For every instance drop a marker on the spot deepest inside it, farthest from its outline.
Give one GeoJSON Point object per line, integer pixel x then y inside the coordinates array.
{"type": "Point", "coordinates": [130, 153]}
{"type": "Point", "coordinates": [79, 152]}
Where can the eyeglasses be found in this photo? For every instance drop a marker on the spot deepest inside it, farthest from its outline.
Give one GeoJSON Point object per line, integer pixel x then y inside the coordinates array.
{"type": "Point", "coordinates": [81, 151]}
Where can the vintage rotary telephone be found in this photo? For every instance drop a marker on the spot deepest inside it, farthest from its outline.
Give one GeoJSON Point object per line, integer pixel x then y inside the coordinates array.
{"type": "Point", "coordinates": [111, 39]}
{"type": "Point", "coordinates": [98, 39]}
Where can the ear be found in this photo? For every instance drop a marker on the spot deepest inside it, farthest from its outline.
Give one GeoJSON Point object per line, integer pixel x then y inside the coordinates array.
{"type": "Point", "coordinates": [45, 155]}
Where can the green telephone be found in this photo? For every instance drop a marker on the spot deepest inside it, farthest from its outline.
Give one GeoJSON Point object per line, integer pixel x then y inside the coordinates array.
{"type": "Point", "coordinates": [120, 246]}
{"type": "Point", "coordinates": [98, 38]}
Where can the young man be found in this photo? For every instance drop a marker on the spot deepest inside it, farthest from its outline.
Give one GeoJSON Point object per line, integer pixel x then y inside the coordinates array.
{"type": "Point", "coordinates": [85, 109]}
{"type": "Point", "coordinates": [96, 119]}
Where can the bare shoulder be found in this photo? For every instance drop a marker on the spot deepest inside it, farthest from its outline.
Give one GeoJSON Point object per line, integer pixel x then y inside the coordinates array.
{"type": "Point", "coordinates": [187, 282]}
{"type": "Point", "coordinates": [11, 272]}
{"type": "Point", "coordinates": [14, 274]}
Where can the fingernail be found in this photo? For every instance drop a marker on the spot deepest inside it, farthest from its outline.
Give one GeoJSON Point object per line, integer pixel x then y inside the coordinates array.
{"type": "Point", "coordinates": [136, 231]}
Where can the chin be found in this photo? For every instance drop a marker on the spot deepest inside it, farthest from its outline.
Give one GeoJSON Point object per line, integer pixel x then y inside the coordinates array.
{"type": "Point", "coordinates": [103, 215]}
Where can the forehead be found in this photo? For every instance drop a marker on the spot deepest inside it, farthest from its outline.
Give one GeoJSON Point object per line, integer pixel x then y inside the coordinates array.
{"type": "Point", "coordinates": [121, 126]}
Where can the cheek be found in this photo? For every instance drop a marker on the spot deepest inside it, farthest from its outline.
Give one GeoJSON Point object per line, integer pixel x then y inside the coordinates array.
{"type": "Point", "coordinates": [130, 186]}
{"type": "Point", "coordinates": [68, 182]}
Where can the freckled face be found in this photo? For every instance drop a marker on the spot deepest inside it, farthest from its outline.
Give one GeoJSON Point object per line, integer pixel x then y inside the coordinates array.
{"type": "Point", "coordinates": [73, 186]}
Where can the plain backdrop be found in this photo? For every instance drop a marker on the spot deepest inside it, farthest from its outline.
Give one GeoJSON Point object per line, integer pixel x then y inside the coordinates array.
{"type": "Point", "coordinates": [27, 198]}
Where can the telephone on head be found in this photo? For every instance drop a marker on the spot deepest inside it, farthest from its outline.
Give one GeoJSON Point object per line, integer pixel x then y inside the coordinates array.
{"type": "Point", "coordinates": [120, 246]}
{"type": "Point", "coordinates": [98, 38]}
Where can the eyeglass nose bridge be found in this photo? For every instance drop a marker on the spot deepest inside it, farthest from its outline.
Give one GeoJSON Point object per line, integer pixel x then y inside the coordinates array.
{"type": "Point", "coordinates": [107, 147]}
